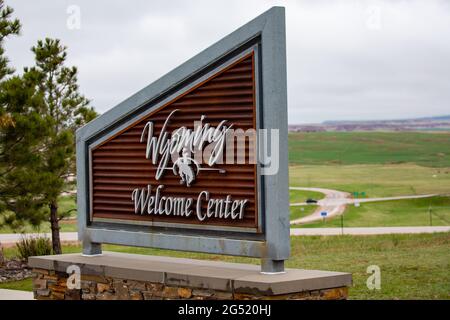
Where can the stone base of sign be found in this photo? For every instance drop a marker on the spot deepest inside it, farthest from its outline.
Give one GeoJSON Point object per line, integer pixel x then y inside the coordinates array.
{"type": "Point", "coordinates": [119, 276]}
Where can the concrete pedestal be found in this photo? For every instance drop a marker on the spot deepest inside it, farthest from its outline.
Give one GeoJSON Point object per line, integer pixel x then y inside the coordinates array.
{"type": "Point", "coordinates": [113, 276]}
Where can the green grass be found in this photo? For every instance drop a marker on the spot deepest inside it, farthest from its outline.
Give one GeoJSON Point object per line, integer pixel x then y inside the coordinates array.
{"type": "Point", "coordinates": [296, 196]}
{"type": "Point", "coordinates": [66, 226]}
{"type": "Point", "coordinates": [24, 285]}
{"type": "Point", "coordinates": [375, 180]}
{"type": "Point", "coordinates": [301, 211]}
{"type": "Point", "coordinates": [380, 164]}
{"type": "Point", "coordinates": [412, 266]}
{"type": "Point", "coordinates": [65, 204]}
{"type": "Point", "coordinates": [348, 148]}
{"type": "Point", "coordinates": [410, 212]}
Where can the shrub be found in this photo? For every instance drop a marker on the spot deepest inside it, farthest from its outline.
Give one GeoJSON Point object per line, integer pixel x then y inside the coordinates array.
{"type": "Point", "coordinates": [33, 246]}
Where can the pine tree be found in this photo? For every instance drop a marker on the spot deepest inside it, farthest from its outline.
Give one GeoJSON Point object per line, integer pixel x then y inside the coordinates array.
{"type": "Point", "coordinates": [8, 27]}
{"type": "Point", "coordinates": [20, 129]}
{"type": "Point", "coordinates": [39, 113]}
{"type": "Point", "coordinates": [21, 200]}
{"type": "Point", "coordinates": [64, 109]}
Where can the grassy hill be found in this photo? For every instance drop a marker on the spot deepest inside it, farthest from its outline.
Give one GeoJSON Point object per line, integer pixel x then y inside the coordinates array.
{"type": "Point", "coordinates": [380, 164]}
{"type": "Point", "coordinates": [376, 180]}
{"type": "Point", "coordinates": [412, 212]}
{"type": "Point", "coordinates": [347, 148]}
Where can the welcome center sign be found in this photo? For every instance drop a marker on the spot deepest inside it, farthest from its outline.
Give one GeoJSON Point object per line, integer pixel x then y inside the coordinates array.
{"type": "Point", "coordinates": [197, 160]}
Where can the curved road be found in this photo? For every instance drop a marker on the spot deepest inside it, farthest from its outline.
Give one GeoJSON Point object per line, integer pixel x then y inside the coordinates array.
{"type": "Point", "coordinates": [335, 201]}
{"type": "Point", "coordinates": [332, 203]}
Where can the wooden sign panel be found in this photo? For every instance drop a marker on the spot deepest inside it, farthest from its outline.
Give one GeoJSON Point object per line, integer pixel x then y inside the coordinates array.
{"type": "Point", "coordinates": [129, 185]}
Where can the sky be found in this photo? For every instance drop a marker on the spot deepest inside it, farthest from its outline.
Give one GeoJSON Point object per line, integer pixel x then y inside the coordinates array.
{"type": "Point", "coordinates": [346, 60]}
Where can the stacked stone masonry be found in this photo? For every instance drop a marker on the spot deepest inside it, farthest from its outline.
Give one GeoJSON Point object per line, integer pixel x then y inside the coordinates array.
{"type": "Point", "coordinates": [51, 285]}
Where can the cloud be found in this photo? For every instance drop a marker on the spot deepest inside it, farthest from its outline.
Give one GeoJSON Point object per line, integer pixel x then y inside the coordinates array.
{"type": "Point", "coordinates": [346, 59]}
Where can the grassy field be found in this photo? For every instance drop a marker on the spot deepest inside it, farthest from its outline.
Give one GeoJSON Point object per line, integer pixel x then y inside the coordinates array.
{"type": "Point", "coordinates": [24, 285]}
{"type": "Point", "coordinates": [66, 226]}
{"type": "Point", "coordinates": [412, 266]}
{"type": "Point", "coordinates": [65, 204]}
{"type": "Point", "coordinates": [378, 163]}
{"type": "Point", "coordinates": [349, 148]}
{"type": "Point", "coordinates": [296, 196]}
{"type": "Point", "coordinates": [375, 180]}
{"type": "Point", "coordinates": [301, 211]}
{"type": "Point", "coordinates": [412, 212]}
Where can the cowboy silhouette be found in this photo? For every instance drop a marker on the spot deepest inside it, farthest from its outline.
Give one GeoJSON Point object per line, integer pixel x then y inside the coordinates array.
{"type": "Point", "coordinates": [182, 167]}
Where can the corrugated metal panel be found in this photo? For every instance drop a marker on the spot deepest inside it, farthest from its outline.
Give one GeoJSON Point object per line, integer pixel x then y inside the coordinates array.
{"type": "Point", "coordinates": [119, 165]}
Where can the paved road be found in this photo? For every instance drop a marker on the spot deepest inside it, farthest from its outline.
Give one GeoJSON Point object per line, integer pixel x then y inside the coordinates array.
{"type": "Point", "coordinates": [6, 294]}
{"type": "Point", "coordinates": [419, 196]}
{"type": "Point", "coordinates": [11, 238]}
{"type": "Point", "coordinates": [335, 202]}
{"type": "Point", "coordinates": [332, 203]}
{"type": "Point", "coordinates": [365, 231]}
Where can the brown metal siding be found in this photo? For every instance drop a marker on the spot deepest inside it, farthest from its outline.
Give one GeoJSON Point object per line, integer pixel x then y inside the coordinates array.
{"type": "Point", "coordinates": [119, 164]}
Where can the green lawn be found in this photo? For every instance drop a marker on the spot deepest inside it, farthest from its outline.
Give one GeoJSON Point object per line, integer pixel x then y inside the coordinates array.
{"type": "Point", "coordinates": [411, 212]}
{"type": "Point", "coordinates": [348, 148]}
{"type": "Point", "coordinates": [412, 266]}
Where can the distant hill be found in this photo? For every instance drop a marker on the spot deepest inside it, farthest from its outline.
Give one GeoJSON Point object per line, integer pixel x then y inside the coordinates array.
{"type": "Point", "coordinates": [438, 123]}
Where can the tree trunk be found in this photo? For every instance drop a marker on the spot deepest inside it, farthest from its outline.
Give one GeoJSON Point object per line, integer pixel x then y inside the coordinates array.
{"type": "Point", "coordinates": [54, 224]}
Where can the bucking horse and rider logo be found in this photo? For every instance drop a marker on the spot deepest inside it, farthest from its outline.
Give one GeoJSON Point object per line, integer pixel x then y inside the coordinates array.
{"type": "Point", "coordinates": [187, 168]}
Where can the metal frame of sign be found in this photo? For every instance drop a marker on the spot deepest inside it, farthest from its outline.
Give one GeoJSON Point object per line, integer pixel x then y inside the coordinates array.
{"type": "Point", "coordinates": [265, 37]}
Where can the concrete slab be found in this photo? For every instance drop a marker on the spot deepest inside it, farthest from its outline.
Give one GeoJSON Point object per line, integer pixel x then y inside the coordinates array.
{"type": "Point", "coordinates": [205, 274]}
{"type": "Point", "coordinates": [293, 280]}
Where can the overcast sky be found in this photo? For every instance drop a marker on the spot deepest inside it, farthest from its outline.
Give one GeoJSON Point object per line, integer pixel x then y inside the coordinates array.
{"type": "Point", "coordinates": [346, 59]}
